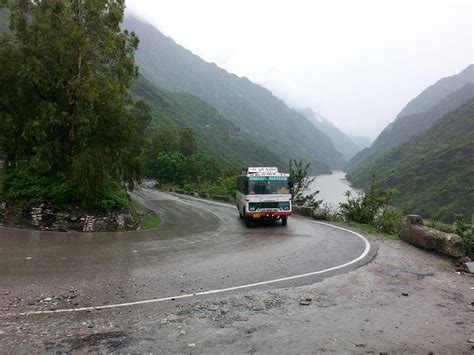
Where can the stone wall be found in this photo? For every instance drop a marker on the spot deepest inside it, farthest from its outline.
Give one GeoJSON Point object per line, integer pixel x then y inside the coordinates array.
{"type": "Point", "coordinates": [316, 213]}
{"type": "Point", "coordinates": [417, 234]}
{"type": "Point", "coordinates": [44, 217]}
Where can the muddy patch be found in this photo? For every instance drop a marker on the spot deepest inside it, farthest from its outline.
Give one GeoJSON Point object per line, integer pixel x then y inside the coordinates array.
{"type": "Point", "coordinates": [97, 342]}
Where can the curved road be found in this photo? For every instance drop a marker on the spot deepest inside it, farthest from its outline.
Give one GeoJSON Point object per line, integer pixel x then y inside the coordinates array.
{"type": "Point", "coordinates": [201, 246]}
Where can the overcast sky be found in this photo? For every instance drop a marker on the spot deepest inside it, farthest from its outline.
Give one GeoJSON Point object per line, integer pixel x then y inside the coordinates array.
{"type": "Point", "coordinates": [357, 63]}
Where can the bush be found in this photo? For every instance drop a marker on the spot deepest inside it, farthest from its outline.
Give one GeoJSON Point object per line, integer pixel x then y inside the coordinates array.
{"type": "Point", "coordinates": [389, 221]}
{"type": "Point", "coordinates": [440, 226]}
{"type": "Point", "coordinates": [30, 186]}
{"type": "Point", "coordinates": [466, 231]}
{"type": "Point", "coordinates": [364, 208]}
{"type": "Point", "coordinates": [223, 186]}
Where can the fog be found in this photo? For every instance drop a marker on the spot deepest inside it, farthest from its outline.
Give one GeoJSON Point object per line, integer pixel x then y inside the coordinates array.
{"type": "Point", "coordinates": [357, 63]}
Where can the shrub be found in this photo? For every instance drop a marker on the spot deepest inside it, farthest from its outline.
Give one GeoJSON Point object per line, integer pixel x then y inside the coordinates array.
{"type": "Point", "coordinates": [364, 208]}
{"type": "Point", "coordinates": [440, 226]}
{"type": "Point", "coordinates": [389, 221]}
{"type": "Point", "coordinates": [466, 231]}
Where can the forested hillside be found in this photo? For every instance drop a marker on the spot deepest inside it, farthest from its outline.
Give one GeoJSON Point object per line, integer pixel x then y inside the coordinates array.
{"type": "Point", "coordinates": [263, 118]}
{"type": "Point", "coordinates": [404, 128]}
{"type": "Point", "coordinates": [210, 128]}
{"type": "Point", "coordinates": [419, 115]}
{"type": "Point", "coordinates": [433, 172]}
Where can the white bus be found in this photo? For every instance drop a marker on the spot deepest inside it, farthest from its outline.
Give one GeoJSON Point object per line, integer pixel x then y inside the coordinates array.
{"type": "Point", "coordinates": [263, 194]}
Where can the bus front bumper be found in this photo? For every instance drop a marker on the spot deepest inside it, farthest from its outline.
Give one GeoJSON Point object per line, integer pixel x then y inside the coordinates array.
{"type": "Point", "coordinates": [267, 215]}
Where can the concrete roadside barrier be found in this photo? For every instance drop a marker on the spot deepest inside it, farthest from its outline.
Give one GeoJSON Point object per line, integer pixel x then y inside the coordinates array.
{"type": "Point", "coordinates": [415, 233]}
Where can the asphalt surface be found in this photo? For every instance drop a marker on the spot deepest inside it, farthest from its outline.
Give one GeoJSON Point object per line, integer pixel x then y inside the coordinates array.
{"type": "Point", "coordinates": [200, 246]}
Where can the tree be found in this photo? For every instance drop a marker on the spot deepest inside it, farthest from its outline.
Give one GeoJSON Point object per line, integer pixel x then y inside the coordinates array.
{"type": "Point", "coordinates": [169, 168]}
{"type": "Point", "coordinates": [65, 107]}
{"type": "Point", "coordinates": [366, 207]}
{"type": "Point", "coordinates": [300, 183]}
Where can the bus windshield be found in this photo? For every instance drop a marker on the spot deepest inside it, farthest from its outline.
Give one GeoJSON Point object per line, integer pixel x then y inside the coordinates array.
{"type": "Point", "coordinates": [261, 185]}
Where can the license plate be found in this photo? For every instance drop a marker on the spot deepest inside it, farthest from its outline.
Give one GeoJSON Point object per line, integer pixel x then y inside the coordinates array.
{"type": "Point", "coordinates": [256, 215]}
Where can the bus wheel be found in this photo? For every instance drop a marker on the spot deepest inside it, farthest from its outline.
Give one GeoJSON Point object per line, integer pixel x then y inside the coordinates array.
{"type": "Point", "coordinates": [241, 216]}
{"type": "Point", "coordinates": [248, 222]}
{"type": "Point", "coordinates": [284, 221]}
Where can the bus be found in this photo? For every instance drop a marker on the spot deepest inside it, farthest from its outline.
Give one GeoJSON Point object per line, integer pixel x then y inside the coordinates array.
{"type": "Point", "coordinates": [263, 193]}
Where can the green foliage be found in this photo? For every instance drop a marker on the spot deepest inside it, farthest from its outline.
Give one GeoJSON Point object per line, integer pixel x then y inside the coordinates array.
{"type": "Point", "coordinates": [222, 186]}
{"type": "Point", "coordinates": [148, 218]}
{"type": "Point", "coordinates": [363, 208]}
{"type": "Point", "coordinates": [443, 227]}
{"type": "Point", "coordinates": [372, 208]}
{"type": "Point", "coordinates": [370, 229]}
{"type": "Point", "coordinates": [434, 171]}
{"type": "Point", "coordinates": [169, 168]}
{"type": "Point", "coordinates": [31, 185]}
{"type": "Point", "coordinates": [64, 103]}
{"type": "Point", "coordinates": [300, 183]}
{"type": "Point", "coordinates": [466, 231]}
{"type": "Point", "coordinates": [264, 120]}
{"type": "Point", "coordinates": [460, 227]}
{"type": "Point", "coordinates": [174, 112]}
{"type": "Point", "coordinates": [173, 157]}
{"type": "Point", "coordinates": [390, 221]}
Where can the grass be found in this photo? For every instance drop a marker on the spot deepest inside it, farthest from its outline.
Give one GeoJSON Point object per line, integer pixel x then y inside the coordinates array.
{"type": "Point", "coordinates": [148, 218]}
{"type": "Point", "coordinates": [151, 220]}
{"type": "Point", "coordinates": [370, 229]}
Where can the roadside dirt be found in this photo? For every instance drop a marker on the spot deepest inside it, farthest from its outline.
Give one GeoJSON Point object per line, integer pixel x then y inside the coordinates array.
{"type": "Point", "coordinates": [405, 301]}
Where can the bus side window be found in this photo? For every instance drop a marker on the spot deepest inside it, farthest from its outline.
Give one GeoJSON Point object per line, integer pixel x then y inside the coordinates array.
{"type": "Point", "coordinates": [246, 187]}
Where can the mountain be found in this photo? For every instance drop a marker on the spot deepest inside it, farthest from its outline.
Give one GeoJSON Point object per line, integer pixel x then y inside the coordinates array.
{"type": "Point", "coordinates": [210, 127]}
{"type": "Point", "coordinates": [343, 143]}
{"type": "Point", "coordinates": [262, 118]}
{"type": "Point", "coordinates": [436, 92]}
{"type": "Point", "coordinates": [361, 142]}
{"type": "Point", "coordinates": [434, 172]}
{"type": "Point", "coordinates": [419, 114]}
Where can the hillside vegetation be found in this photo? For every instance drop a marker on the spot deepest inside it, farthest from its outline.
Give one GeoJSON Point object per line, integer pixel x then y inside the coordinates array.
{"type": "Point", "coordinates": [68, 129]}
{"type": "Point", "coordinates": [211, 129]}
{"type": "Point", "coordinates": [419, 114]}
{"type": "Point", "coordinates": [434, 172]}
{"type": "Point", "coordinates": [263, 118]}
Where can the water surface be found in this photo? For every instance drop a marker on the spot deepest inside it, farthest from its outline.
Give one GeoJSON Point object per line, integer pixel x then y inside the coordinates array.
{"type": "Point", "coordinates": [332, 188]}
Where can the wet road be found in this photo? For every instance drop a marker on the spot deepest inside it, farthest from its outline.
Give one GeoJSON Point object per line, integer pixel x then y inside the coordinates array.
{"type": "Point", "coordinates": [200, 246]}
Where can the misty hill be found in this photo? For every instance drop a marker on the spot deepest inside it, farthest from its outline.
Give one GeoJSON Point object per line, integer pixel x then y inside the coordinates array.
{"type": "Point", "coordinates": [436, 92]}
{"type": "Point", "coordinates": [263, 118]}
{"type": "Point", "coordinates": [405, 127]}
{"type": "Point", "coordinates": [361, 142]}
{"type": "Point", "coordinates": [434, 171]}
{"type": "Point", "coordinates": [343, 143]}
{"type": "Point", "coordinates": [210, 127]}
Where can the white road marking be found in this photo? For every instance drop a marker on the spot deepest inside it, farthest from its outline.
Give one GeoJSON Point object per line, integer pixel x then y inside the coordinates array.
{"type": "Point", "coordinates": [210, 292]}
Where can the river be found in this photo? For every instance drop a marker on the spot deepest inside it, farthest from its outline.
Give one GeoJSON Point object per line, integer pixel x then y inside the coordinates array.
{"type": "Point", "coordinates": [332, 188]}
